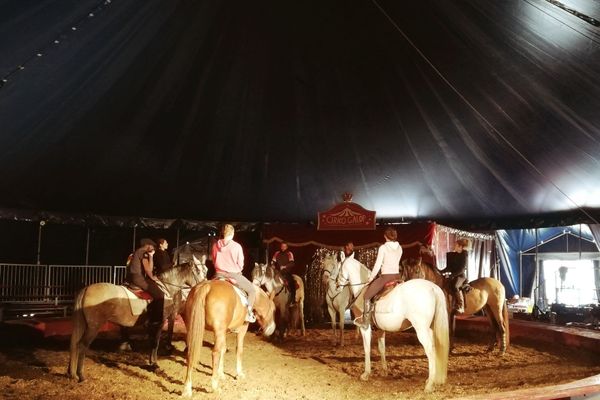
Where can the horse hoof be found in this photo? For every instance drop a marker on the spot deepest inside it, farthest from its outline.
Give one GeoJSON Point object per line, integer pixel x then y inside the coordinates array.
{"type": "Point", "coordinates": [364, 377]}
{"type": "Point", "coordinates": [240, 376]}
{"type": "Point", "coordinates": [125, 347]}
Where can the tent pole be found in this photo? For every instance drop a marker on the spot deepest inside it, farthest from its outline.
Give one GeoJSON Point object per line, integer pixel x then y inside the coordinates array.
{"type": "Point", "coordinates": [520, 273]}
{"type": "Point", "coordinates": [537, 269]}
{"type": "Point", "coordinates": [39, 241]}
{"type": "Point", "coordinates": [87, 247]}
{"type": "Point", "coordinates": [134, 232]}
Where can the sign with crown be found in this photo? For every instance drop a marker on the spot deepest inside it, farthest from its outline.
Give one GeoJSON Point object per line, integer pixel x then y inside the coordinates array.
{"type": "Point", "coordinates": [346, 216]}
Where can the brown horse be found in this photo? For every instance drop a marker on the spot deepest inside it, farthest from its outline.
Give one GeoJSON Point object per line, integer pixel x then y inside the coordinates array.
{"type": "Point", "coordinates": [99, 303]}
{"type": "Point", "coordinates": [486, 293]}
{"type": "Point", "coordinates": [215, 306]}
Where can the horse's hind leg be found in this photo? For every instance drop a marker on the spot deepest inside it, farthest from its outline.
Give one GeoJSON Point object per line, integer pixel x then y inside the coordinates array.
{"type": "Point", "coordinates": [496, 317]}
{"type": "Point", "coordinates": [88, 337]}
{"type": "Point", "coordinates": [239, 351]}
{"type": "Point", "coordinates": [218, 354]}
{"type": "Point", "coordinates": [381, 348]}
{"type": "Point", "coordinates": [495, 327]}
{"type": "Point", "coordinates": [425, 336]}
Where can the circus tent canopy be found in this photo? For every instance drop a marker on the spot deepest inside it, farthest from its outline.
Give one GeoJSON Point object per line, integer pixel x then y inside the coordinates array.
{"type": "Point", "coordinates": [479, 112]}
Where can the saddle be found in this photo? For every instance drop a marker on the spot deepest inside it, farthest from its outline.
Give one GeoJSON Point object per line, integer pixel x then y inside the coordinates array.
{"type": "Point", "coordinates": [388, 287]}
{"type": "Point", "coordinates": [241, 293]}
{"type": "Point", "coordinates": [138, 298]}
{"type": "Point", "coordinates": [138, 292]}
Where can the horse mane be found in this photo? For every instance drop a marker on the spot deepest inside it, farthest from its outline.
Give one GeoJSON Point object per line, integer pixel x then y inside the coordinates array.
{"type": "Point", "coordinates": [417, 268]}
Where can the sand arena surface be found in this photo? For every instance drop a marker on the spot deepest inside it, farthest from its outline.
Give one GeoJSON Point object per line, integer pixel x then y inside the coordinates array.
{"type": "Point", "coordinates": [299, 368]}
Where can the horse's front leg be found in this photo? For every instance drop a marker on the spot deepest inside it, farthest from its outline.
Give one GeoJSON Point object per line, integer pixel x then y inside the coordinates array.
{"type": "Point", "coordinates": [341, 326]}
{"type": "Point", "coordinates": [381, 348]}
{"type": "Point", "coordinates": [331, 312]}
{"type": "Point", "coordinates": [218, 353]}
{"type": "Point", "coordinates": [239, 351]}
{"type": "Point", "coordinates": [366, 336]}
{"type": "Point", "coordinates": [170, 327]}
{"type": "Point", "coordinates": [301, 305]}
{"type": "Point", "coordinates": [154, 334]}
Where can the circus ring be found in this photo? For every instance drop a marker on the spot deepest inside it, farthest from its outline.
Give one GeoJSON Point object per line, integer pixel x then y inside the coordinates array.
{"type": "Point", "coordinates": [543, 362]}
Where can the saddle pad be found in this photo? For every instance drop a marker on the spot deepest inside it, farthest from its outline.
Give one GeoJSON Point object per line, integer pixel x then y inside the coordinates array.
{"type": "Point", "coordinates": [137, 304]}
{"type": "Point", "coordinates": [243, 296]}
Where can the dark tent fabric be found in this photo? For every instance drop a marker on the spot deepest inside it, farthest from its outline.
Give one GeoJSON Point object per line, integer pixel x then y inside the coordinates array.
{"type": "Point", "coordinates": [517, 273]}
{"type": "Point", "coordinates": [480, 112]}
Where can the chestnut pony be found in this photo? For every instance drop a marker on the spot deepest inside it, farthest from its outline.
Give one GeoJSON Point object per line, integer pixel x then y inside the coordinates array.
{"type": "Point", "coordinates": [215, 306]}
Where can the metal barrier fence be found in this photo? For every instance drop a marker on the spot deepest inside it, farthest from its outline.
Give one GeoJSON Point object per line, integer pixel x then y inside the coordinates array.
{"type": "Point", "coordinates": [52, 283]}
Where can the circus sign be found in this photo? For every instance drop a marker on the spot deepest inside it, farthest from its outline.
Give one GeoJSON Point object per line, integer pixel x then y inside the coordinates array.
{"type": "Point", "coordinates": [346, 216]}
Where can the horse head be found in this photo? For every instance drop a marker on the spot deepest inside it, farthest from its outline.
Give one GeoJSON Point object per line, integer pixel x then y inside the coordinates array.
{"type": "Point", "coordinates": [353, 273]}
{"type": "Point", "coordinates": [264, 309]}
{"type": "Point", "coordinates": [200, 264]}
{"type": "Point", "coordinates": [181, 276]}
{"type": "Point", "coordinates": [259, 274]}
{"type": "Point", "coordinates": [330, 267]}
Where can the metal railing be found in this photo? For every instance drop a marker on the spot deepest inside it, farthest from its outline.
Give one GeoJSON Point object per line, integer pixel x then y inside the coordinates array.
{"type": "Point", "coordinates": [52, 283]}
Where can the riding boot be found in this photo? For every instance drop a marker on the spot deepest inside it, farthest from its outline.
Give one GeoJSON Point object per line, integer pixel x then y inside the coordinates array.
{"type": "Point", "coordinates": [292, 286]}
{"type": "Point", "coordinates": [366, 317]}
{"type": "Point", "coordinates": [460, 302]}
{"type": "Point", "coordinates": [250, 317]}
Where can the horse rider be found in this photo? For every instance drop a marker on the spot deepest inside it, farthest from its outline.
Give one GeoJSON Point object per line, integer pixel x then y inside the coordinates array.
{"type": "Point", "coordinates": [162, 261]}
{"type": "Point", "coordinates": [139, 273]}
{"type": "Point", "coordinates": [388, 261]}
{"type": "Point", "coordinates": [456, 265]}
{"type": "Point", "coordinates": [228, 258]}
{"type": "Point", "coordinates": [283, 259]}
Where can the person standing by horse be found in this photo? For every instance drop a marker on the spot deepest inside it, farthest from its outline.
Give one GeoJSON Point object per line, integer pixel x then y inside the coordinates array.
{"type": "Point", "coordinates": [162, 261]}
{"type": "Point", "coordinates": [140, 273]}
{"type": "Point", "coordinates": [456, 265]}
{"type": "Point", "coordinates": [283, 259]}
{"type": "Point", "coordinates": [388, 262]}
{"type": "Point", "coordinates": [228, 258]}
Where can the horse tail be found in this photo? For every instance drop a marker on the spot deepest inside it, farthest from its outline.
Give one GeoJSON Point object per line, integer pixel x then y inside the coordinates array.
{"type": "Point", "coordinates": [505, 323]}
{"type": "Point", "coordinates": [441, 336]}
{"type": "Point", "coordinates": [79, 325]}
{"type": "Point", "coordinates": [195, 321]}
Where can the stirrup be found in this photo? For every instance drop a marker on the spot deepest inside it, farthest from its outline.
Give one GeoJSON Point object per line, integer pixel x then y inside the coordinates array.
{"type": "Point", "coordinates": [250, 317]}
{"type": "Point", "coordinates": [360, 324]}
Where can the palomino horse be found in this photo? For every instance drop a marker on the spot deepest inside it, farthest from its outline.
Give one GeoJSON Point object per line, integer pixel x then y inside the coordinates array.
{"type": "Point", "coordinates": [419, 303]}
{"type": "Point", "coordinates": [215, 306]}
{"type": "Point", "coordinates": [101, 302]}
{"type": "Point", "coordinates": [337, 297]}
{"type": "Point", "coordinates": [271, 279]}
{"type": "Point", "coordinates": [486, 293]}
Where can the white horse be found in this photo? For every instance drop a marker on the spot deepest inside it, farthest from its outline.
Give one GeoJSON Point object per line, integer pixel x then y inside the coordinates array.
{"type": "Point", "coordinates": [337, 297]}
{"type": "Point", "coordinates": [267, 276]}
{"type": "Point", "coordinates": [417, 303]}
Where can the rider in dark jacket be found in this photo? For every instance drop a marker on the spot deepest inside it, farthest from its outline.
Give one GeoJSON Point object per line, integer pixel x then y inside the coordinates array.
{"type": "Point", "coordinates": [456, 265]}
{"type": "Point", "coordinates": [139, 273]}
